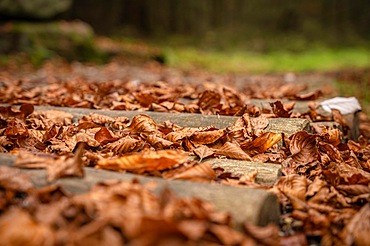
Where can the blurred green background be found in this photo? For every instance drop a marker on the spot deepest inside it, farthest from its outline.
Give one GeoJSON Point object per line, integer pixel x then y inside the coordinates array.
{"type": "Point", "coordinates": [223, 36]}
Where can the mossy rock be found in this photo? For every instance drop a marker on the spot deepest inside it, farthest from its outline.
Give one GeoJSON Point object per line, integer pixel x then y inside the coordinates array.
{"type": "Point", "coordinates": [42, 40]}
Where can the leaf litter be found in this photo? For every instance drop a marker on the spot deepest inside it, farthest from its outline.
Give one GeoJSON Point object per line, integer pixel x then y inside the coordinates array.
{"type": "Point", "coordinates": [324, 194]}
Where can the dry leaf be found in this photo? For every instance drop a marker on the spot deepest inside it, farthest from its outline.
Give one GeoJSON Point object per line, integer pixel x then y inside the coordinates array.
{"type": "Point", "coordinates": [203, 152]}
{"type": "Point", "coordinates": [233, 150]}
{"type": "Point", "coordinates": [104, 136]}
{"type": "Point", "coordinates": [262, 143]}
{"type": "Point", "coordinates": [206, 137]}
{"type": "Point", "coordinates": [145, 161]}
{"type": "Point", "coordinates": [303, 147]}
{"type": "Point", "coordinates": [124, 145]}
{"type": "Point", "coordinates": [209, 100]}
{"type": "Point", "coordinates": [67, 166]}
{"type": "Point", "coordinates": [279, 110]}
{"type": "Point", "coordinates": [199, 172]}
{"type": "Point", "coordinates": [143, 124]}
{"type": "Point", "coordinates": [17, 227]}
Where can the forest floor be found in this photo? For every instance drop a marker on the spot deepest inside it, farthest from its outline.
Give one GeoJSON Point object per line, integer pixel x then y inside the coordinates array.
{"type": "Point", "coordinates": [324, 191]}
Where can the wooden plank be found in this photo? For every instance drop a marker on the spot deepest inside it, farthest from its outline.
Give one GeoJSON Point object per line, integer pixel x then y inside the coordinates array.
{"type": "Point", "coordinates": [255, 206]}
{"type": "Point", "coordinates": [279, 125]}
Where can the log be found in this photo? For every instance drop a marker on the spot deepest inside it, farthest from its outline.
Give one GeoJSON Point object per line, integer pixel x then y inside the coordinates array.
{"type": "Point", "coordinates": [255, 206]}
{"type": "Point", "coordinates": [288, 126]}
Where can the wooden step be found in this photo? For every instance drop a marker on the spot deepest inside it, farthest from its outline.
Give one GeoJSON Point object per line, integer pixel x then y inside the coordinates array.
{"type": "Point", "coordinates": [288, 126]}
{"type": "Point", "coordinates": [255, 206]}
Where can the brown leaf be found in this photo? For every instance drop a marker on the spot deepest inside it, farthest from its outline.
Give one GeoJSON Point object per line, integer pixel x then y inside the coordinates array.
{"type": "Point", "coordinates": [294, 186]}
{"type": "Point", "coordinates": [338, 117]}
{"type": "Point", "coordinates": [241, 129]}
{"type": "Point", "coordinates": [58, 117]}
{"type": "Point", "coordinates": [50, 133]}
{"type": "Point", "coordinates": [159, 142]}
{"type": "Point", "coordinates": [262, 143]}
{"type": "Point", "coordinates": [259, 124]}
{"type": "Point", "coordinates": [179, 135]}
{"type": "Point", "coordinates": [233, 150]}
{"type": "Point", "coordinates": [145, 161]}
{"type": "Point", "coordinates": [357, 230]}
{"type": "Point", "coordinates": [16, 129]}
{"type": "Point", "coordinates": [341, 173]}
{"type": "Point", "coordinates": [309, 96]}
{"type": "Point", "coordinates": [303, 147]}
{"type": "Point", "coordinates": [85, 138]}
{"type": "Point", "coordinates": [103, 136]}
{"type": "Point", "coordinates": [279, 109]}
{"type": "Point", "coordinates": [354, 190]}
{"type": "Point", "coordinates": [232, 98]}
{"type": "Point", "coordinates": [268, 235]}
{"type": "Point", "coordinates": [203, 152]}
{"type": "Point", "coordinates": [332, 136]}
{"type": "Point", "coordinates": [226, 235]}
{"type": "Point", "coordinates": [124, 145]}
{"type": "Point", "coordinates": [209, 100]}
{"type": "Point", "coordinates": [17, 227]}
{"type": "Point", "coordinates": [67, 166]}
{"type": "Point", "coordinates": [199, 172]}
{"type": "Point", "coordinates": [206, 137]}
{"type": "Point", "coordinates": [143, 123]}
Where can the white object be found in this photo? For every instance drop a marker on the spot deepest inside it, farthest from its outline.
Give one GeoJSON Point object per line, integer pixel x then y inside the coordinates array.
{"type": "Point", "coordinates": [345, 105]}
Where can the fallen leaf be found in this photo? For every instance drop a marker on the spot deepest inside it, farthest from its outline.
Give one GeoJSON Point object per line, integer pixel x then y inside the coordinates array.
{"type": "Point", "coordinates": [209, 100]}
{"type": "Point", "coordinates": [262, 143]}
{"type": "Point", "coordinates": [143, 124]}
{"type": "Point", "coordinates": [17, 227]}
{"type": "Point", "coordinates": [124, 145]}
{"type": "Point", "coordinates": [233, 150]}
{"type": "Point", "coordinates": [279, 110]}
{"type": "Point", "coordinates": [145, 161]}
{"type": "Point", "coordinates": [357, 230]}
{"type": "Point", "coordinates": [67, 166]}
{"type": "Point", "coordinates": [104, 136]}
{"type": "Point", "coordinates": [203, 152]}
{"type": "Point", "coordinates": [199, 172]}
{"type": "Point", "coordinates": [206, 137]}
{"type": "Point", "coordinates": [303, 147]}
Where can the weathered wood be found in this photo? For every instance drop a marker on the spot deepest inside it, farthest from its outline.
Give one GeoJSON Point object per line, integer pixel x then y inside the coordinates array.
{"type": "Point", "coordinates": [279, 125]}
{"type": "Point", "coordinates": [255, 206]}
{"type": "Point", "coordinates": [267, 173]}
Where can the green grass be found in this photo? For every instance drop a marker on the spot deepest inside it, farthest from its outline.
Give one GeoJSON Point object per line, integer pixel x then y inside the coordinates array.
{"type": "Point", "coordinates": [316, 59]}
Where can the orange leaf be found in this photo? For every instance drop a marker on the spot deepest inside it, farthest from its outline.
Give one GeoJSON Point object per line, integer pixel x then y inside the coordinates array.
{"type": "Point", "coordinates": [234, 151]}
{"type": "Point", "coordinates": [145, 161]}
{"type": "Point", "coordinates": [203, 152]}
{"type": "Point", "coordinates": [124, 145]}
{"type": "Point", "coordinates": [262, 143]}
{"type": "Point", "coordinates": [199, 172]}
{"type": "Point", "coordinates": [143, 123]}
{"type": "Point", "coordinates": [104, 136]}
{"type": "Point", "coordinates": [209, 100]}
{"type": "Point", "coordinates": [206, 137]}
